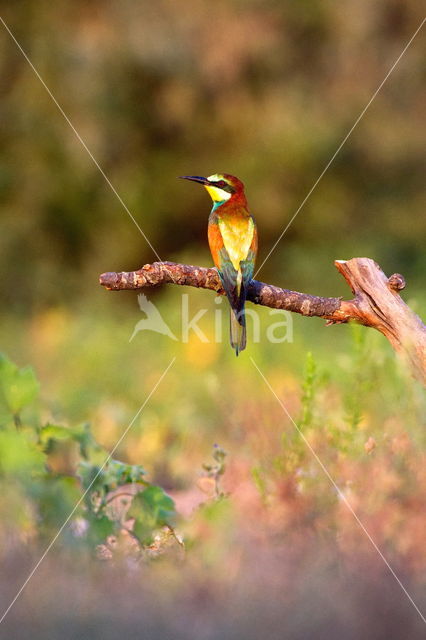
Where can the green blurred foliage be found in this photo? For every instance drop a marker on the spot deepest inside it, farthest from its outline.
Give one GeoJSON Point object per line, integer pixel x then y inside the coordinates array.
{"type": "Point", "coordinates": [50, 493]}
{"type": "Point", "coordinates": [266, 90]}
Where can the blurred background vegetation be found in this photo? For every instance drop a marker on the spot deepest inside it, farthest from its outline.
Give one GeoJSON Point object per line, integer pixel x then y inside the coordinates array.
{"type": "Point", "coordinates": [265, 90]}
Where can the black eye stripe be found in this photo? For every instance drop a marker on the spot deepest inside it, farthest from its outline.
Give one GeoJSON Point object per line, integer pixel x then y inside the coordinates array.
{"type": "Point", "coordinates": [221, 184]}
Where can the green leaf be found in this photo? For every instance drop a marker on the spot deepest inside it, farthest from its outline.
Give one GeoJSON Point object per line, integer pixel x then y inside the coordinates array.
{"type": "Point", "coordinates": [83, 435]}
{"type": "Point", "coordinates": [7, 368]}
{"type": "Point", "coordinates": [19, 386]}
{"type": "Point", "coordinates": [80, 434]}
{"type": "Point", "coordinates": [137, 473]}
{"type": "Point", "coordinates": [19, 455]}
{"type": "Point", "coordinates": [7, 374]}
{"type": "Point", "coordinates": [159, 503]}
{"type": "Point", "coordinates": [88, 472]}
{"type": "Point", "coordinates": [53, 432]}
{"type": "Point", "coordinates": [100, 527]}
{"type": "Point", "coordinates": [151, 508]}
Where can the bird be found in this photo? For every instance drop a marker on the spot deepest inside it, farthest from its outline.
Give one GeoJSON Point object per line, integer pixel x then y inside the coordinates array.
{"type": "Point", "coordinates": [232, 236]}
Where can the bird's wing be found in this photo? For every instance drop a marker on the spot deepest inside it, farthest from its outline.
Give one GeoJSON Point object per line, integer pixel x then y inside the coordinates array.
{"type": "Point", "coordinates": [247, 268]}
{"type": "Point", "coordinates": [247, 265]}
{"type": "Point", "coordinates": [229, 277]}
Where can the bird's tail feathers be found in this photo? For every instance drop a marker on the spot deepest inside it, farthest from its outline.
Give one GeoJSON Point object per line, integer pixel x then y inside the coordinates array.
{"type": "Point", "coordinates": [238, 330]}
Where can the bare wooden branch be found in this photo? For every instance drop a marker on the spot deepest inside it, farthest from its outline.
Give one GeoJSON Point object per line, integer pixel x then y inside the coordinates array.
{"type": "Point", "coordinates": [376, 301]}
{"type": "Point", "coordinates": [379, 305]}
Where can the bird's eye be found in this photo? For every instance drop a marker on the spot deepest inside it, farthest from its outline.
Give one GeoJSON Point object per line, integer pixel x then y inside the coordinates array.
{"type": "Point", "coordinates": [222, 184]}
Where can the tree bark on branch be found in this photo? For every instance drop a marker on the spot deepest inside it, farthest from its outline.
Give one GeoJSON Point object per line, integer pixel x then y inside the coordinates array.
{"type": "Point", "coordinates": [376, 302]}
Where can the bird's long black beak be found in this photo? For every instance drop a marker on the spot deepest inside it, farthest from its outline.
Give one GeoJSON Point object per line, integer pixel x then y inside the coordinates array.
{"type": "Point", "coordinates": [195, 179]}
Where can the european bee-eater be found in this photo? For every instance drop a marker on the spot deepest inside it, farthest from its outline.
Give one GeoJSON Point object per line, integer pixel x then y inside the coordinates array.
{"type": "Point", "coordinates": [232, 238]}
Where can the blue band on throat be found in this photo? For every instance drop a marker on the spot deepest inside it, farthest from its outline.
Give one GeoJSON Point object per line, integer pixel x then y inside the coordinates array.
{"type": "Point", "coordinates": [218, 204]}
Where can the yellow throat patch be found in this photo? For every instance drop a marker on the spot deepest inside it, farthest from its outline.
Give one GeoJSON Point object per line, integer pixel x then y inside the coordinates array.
{"type": "Point", "coordinates": [216, 194]}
